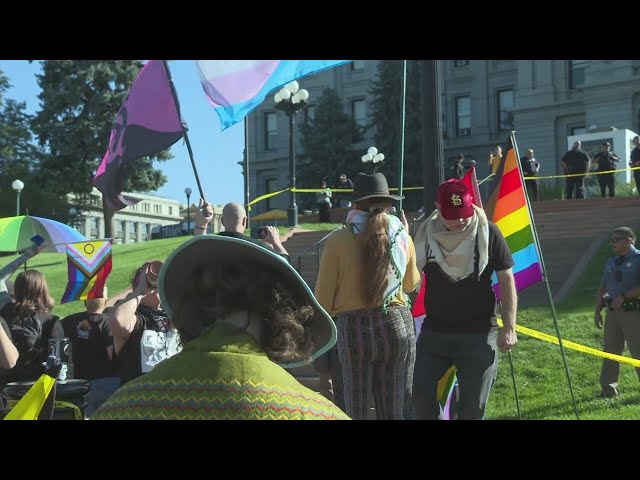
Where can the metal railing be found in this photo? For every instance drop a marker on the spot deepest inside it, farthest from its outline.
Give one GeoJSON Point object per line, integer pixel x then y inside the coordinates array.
{"type": "Point", "coordinates": [316, 245]}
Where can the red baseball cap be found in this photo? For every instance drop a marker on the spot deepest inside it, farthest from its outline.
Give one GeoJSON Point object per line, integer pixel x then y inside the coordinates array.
{"type": "Point", "coordinates": [455, 200]}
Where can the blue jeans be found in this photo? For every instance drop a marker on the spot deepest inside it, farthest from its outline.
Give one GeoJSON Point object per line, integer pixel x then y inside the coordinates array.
{"type": "Point", "coordinates": [101, 390]}
{"type": "Point", "coordinates": [473, 354]}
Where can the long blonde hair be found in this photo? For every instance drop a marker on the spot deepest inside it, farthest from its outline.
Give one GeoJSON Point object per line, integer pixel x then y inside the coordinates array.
{"type": "Point", "coordinates": [374, 249]}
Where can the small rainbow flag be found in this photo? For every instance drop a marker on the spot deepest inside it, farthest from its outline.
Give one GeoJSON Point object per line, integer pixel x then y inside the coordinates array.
{"type": "Point", "coordinates": [507, 208]}
{"type": "Point", "coordinates": [89, 265]}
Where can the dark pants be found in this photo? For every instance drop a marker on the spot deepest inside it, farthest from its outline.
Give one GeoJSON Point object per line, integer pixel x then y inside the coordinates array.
{"type": "Point", "coordinates": [325, 213]}
{"type": "Point", "coordinates": [532, 190]}
{"type": "Point", "coordinates": [636, 177]}
{"type": "Point", "coordinates": [377, 355]}
{"type": "Point", "coordinates": [619, 327]}
{"type": "Point", "coordinates": [576, 183]}
{"type": "Point", "coordinates": [607, 180]}
{"type": "Point", "coordinates": [473, 354]}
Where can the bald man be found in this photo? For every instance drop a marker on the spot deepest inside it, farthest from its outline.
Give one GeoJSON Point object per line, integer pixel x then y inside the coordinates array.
{"type": "Point", "coordinates": [234, 220]}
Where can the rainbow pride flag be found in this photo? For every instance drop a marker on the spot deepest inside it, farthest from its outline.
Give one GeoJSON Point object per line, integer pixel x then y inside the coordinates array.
{"type": "Point", "coordinates": [507, 208]}
{"type": "Point", "coordinates": [89, 265]}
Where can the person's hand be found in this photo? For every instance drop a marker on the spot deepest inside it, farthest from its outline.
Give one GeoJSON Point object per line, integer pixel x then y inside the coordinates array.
{"type": "Point", "coordinates": [143, 287]}
{"type": "Point", "coordinates": [617, 302]}
{"type": "Point", "coordinates": [597, 319]}
{"type": "Point", "coordinates": [507, 338]}
{"type": "Point", "coordinates": [272, 235]}
{"type": "Point", "coordinates": [33, 250]}
{"type": "Point", "coordinates": [203, 215]}
{"type": "Point", "coordinates": [403, 219]}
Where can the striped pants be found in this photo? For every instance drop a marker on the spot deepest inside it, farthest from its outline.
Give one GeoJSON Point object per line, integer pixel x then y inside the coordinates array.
{"type": "Point", "coordinates": [377, 353]}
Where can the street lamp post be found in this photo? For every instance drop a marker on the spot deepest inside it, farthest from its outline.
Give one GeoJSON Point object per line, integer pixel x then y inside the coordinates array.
{"type": "Point", "coordinates": [373, 157]}
{"type": "Point", "coordinates": [187, 192]}
{"type": "Point", "coordinates": [17, 185]}
{"type": "Point", "coordinates": [72, 216]}
{"type": "Point", "coordinates": [291, 99]}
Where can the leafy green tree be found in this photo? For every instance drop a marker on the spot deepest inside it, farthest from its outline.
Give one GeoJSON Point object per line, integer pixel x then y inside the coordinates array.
{"type": "Point", "coordinates": [327, 142]}
{"type": "Point", "coordinates": [79, 103]}
{"type": "Point", "coordinates": [17, 154]}
{"type": "Point", "coordinates": [385, 105]}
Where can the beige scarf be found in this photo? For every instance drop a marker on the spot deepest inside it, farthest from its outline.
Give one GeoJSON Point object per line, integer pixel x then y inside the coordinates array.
{"type": "Point", "coordinates": [454, 251]}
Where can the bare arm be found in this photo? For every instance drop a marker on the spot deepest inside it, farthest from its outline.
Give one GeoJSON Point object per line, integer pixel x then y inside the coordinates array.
{"type": "Point", "coordinates": [9, 269]}
{"type": "Point", "coordinates": [272, 236]}
{"type": "Point", "coordinates": [202, 216]}
{"type": "Point", "coordinates": [123, 319]}
{"type": "Point", "coordinates": [597, 315]}
{"type": "Point", "coordinates": [8, 351]}
{"type": "Point", "coordinates": [507, 337]}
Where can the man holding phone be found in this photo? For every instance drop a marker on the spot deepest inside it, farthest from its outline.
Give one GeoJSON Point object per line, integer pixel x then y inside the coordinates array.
{"type": "Point", "coordinates": [234, 220]}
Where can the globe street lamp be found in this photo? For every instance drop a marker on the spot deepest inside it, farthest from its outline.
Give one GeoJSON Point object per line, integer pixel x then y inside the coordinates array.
{"type": "Point", "coordinates": [291, 99]}
{"type": "Point", "coordinates": [373, 157]}
{"type": "Point", "coordinates": [187, 192]}
{"type": "Point", "coordinates": [17, 185]}
{"type": "Point", "coordinates": [72, 216]}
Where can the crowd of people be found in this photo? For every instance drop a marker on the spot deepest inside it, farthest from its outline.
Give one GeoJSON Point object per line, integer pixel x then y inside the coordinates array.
{"type": "Point", "coordinates": [210, 332]}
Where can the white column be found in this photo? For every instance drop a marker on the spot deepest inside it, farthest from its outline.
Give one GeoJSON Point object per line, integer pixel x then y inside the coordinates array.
{"type": "Point", "coordinates": [127, 225]}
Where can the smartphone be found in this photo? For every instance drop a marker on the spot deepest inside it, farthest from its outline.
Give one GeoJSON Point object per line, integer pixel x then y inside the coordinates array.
{"type": "Point", "coordinates": [259, 233]}
{"type": "Point", "coordinates": [37, 240]}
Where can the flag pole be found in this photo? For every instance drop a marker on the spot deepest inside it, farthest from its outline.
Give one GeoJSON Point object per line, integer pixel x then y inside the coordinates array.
{"type": "Point", "coordinates": [184, 126]}
{"type": "Point", "coordinates": [403, 109]}
{"type": "Point", "coordinates": [545, 278]}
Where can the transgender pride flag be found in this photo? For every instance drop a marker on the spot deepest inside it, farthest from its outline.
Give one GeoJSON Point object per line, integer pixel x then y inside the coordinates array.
{"type": "Point", "coordinates": [236, 87]}
{"type": "Point", "coordinates": [507, 208]}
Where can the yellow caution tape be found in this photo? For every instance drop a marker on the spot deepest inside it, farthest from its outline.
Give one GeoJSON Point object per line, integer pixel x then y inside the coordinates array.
{"type": "Point", "coordinates": [588, 174]}
{"type": "Point", "coordinates": [575, 346]}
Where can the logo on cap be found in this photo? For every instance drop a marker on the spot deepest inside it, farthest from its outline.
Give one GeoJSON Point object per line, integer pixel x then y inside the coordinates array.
{"type": "Point", "coordinates": [456, 200]}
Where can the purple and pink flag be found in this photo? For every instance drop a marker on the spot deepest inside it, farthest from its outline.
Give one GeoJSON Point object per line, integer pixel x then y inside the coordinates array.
{"type": "Point", "coordinates": [147, 123]}
{"type": "Point", "coordinates": [236, 87]}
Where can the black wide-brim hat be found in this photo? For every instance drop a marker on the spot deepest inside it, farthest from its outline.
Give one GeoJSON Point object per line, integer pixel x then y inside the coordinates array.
{"type": "Point", "coordinates": [372, 185]}
{"type": "Point", "coordinates": [177, 273]}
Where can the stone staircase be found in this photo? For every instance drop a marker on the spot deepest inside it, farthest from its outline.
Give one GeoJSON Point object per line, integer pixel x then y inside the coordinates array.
{"type": "Point", "coordinates": [570, 232]}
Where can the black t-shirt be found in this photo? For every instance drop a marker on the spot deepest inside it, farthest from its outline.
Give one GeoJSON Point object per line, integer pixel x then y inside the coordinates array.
{"type": "Point", "coordinates": [30, 335]}
{"type": "Point", "coordinates": [529, 166]}
{"type": "Point", "coordinates": [90, 335]}
{"type": "Point", "coordinates": [466, 306]}
{"type": "Point", "coordinates": [577, 161]}
{"type": "Point", "coordinates": [635, 158]}
{"type": "Point", "coordinates": [128, 362]}
{"type": "Point", "coordinates": [605, 161]}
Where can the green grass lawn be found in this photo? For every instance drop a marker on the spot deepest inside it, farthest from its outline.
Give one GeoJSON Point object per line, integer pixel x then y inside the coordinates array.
{"type": "Point", "coordinates": [539, 370]}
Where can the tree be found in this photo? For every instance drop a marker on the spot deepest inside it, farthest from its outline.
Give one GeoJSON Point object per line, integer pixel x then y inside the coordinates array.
{"type": "Point", "coordinates": [79, 102]}
{"type": "Point", "coordinates": [386, 117]}
{"type": "Point", "coordinates": [327, 142]}
{"type": "Point", "coordinates": [17, 155]}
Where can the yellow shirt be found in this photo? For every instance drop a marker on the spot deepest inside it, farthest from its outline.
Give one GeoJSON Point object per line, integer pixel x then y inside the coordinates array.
{"type": "Point", "coordinates": [495, 162]}
{"type": "Point", "coordinates": [338, 285]}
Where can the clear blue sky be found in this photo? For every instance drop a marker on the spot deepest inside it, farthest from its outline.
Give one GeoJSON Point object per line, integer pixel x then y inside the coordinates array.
{"type": "Point", "coordinates": [216, 152]}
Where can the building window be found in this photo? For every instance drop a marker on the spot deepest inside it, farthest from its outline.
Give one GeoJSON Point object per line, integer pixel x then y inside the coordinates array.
{"type": "Point", "coordinates": [357, 65]}
{"type": "Point", "coordinates": [577, 73]}
{"type": "Point", "coordinates": [94, 223]}
{"type": "Point", "coordinates": [145, 207]}
{"type": "Point", "coordinates": [134, 207]}
{"type": "Point", "coordinates": [270, 130]}
{"type": "Point", "coordinates": [309, 114]}
{"type": "Point", "coordinates": [170, 210]}
{"type": "Point", "coordinates": [460, 63]}
{"type": "Point", "coordinates": [119, 229]}
{"type": "Point", "coordinates": [144, 231]}
{"type": "Point", "coordinates": [505, 110]}
{"type": "Point", "coordinates": [463, 116]}
{"type": "Point", "coordinates": [272, 186]}
{"type": "Point", "coordinates": [157, 209]}
{"type": "Point", "coordinates": [133, 230]}
{"type": "Point", "coordinates": [578, 130]}
{"type": "Point", "coordinates": [358, 112]}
